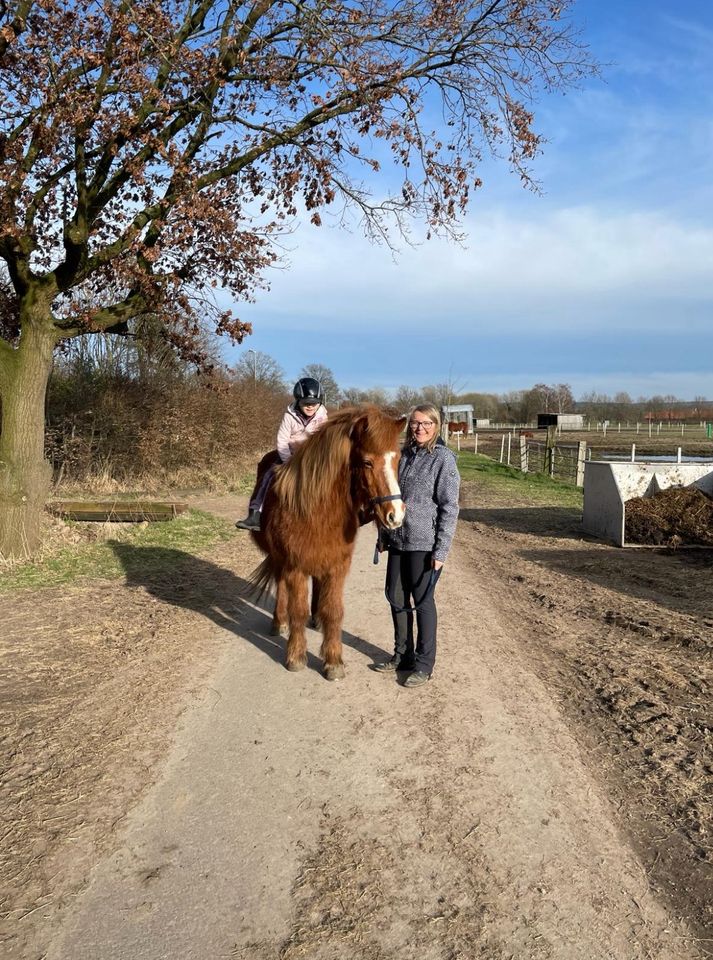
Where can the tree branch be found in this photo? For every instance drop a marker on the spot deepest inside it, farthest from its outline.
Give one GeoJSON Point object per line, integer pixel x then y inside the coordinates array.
{"type": "Point", "coordinates": [12, 31]}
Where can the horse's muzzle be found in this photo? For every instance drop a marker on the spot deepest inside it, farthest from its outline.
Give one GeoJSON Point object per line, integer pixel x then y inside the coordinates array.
{"type": "Point", "coordinates": [394, 516]}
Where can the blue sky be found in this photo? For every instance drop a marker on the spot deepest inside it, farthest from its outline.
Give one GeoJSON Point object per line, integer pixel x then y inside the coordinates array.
{"type": "Point", "coordinates": [603, 281]}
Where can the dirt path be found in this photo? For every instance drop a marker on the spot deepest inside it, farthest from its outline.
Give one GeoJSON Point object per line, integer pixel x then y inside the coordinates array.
{"type": "Point", "coordinates": [297, 818]}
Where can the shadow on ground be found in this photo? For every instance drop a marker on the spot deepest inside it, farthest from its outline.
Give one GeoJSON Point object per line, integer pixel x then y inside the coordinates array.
{"type": "Point", "coordinates": [216, 593]}
{"type": "Point", "coordinates": [561, 522]}
{"type": "Point", "coordinates": [680, 581]}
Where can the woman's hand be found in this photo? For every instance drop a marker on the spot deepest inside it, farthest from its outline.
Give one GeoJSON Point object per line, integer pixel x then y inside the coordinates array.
{"type": "Point", "coordinates": [436, 564]}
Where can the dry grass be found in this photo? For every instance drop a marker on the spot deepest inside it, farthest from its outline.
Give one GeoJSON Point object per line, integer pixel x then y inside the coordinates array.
{"type": "Point", "coordinates": [237, 477]}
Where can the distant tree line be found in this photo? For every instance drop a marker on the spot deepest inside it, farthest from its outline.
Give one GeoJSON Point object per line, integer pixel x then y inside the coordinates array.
{"type": "Point", "coordinates": [125, 411]}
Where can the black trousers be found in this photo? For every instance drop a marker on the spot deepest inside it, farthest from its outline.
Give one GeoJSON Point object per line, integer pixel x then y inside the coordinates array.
{"type": "Point", "coordinates": [408, 577]}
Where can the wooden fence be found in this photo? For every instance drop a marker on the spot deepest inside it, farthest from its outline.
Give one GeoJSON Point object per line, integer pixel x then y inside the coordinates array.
{"type": "Point", "coordinates": [563, 461]}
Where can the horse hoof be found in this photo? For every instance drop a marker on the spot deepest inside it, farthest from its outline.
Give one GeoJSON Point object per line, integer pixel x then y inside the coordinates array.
{"type": "Point", "coordinates": [294, 666]}
{"type": "Point", "coordinates": [313, 623]}
{"type": "Point", "coordinates": [335, 671]}
{"type": "Point", "coordinates": [279, 630]}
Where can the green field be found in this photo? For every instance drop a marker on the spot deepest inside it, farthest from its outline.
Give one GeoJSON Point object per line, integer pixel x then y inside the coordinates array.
{"type": "Point", "coordinates": [507, 483]}
{"type": "Point", "coordinates": [168, 541]}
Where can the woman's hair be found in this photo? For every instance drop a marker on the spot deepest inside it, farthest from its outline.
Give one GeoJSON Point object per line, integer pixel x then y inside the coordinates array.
{"type": "Point", "coordinates": [432, 413]}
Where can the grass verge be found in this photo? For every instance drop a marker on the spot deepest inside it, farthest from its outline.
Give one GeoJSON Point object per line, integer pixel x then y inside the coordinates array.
{"type": "Point", "coordinates": [153, 546]}
{"type": "Point", "coordinates": [507, 483]}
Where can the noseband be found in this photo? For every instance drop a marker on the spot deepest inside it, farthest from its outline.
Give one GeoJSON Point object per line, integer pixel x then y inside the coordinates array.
{"type": "Point", "coordinates": [392, 496]}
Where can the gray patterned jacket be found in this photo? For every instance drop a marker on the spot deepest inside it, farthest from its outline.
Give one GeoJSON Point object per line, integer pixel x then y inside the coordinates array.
{"type": "Point", "coordinates": [429, 484]}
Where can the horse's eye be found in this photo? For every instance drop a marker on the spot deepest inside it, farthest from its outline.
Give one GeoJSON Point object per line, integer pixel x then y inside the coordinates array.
{"type": "Point", "coordinates": [368, 464]}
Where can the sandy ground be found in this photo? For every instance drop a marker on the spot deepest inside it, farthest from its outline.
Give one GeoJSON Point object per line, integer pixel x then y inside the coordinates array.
{"type": "Point", "coordinates": [169, 790]}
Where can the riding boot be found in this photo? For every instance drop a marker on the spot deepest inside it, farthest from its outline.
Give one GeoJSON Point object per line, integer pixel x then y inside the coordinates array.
{"type": "Point", "coordinates": [251, 522]}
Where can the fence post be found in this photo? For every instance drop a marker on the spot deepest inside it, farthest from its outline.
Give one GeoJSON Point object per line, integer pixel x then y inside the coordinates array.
{"type": "Point", "coordinates": [633, 453]}
{"type": "Point", "coordinates": [502, 448]}
{"type": "Point", "coordinates": [475, 445]}
{"type": "Point", "coordinates": [458, 441]}
{"type": "Point", "coordinates": [581, 458]}
{"type": "Point", "coordinates": [509, 445]}
{"type": "Point", "coordinates": [523, 454]}
{"type": "Point", "coordinates": [550, 451]}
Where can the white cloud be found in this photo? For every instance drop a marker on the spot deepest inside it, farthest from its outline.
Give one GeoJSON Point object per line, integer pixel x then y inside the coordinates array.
{"type": "Point", "coordinates": [572, 269]}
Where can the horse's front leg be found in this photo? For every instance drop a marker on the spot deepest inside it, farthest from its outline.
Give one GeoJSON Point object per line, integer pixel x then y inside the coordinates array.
{"type": "Point", "coordinates": [297, 611]}
{"type": "Point", "coordinates": [313, 621]}
{"type": "Point", "coordinates": [331, 614]}
{"type": "Point", "coordinates": [279, 617]}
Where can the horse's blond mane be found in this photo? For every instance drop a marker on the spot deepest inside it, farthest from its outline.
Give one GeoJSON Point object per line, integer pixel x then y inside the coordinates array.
{"type": "Point", "coordinates": [322, 461]}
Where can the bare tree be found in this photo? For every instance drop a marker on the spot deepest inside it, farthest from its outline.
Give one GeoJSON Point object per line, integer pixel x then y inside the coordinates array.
{"type": "Point", "coordinates": [563, 398]}
{"type": "Point", "coordinates": [259, 367]}
{"type": "Point", "coordinates": [407, 397]}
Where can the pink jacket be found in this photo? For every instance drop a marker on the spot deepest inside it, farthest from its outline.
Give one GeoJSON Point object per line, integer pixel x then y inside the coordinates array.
{"type": "Point", "coordinates": [293, 430]}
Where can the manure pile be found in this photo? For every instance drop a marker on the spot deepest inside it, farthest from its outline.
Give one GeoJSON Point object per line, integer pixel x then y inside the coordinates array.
{"type": "Point", "coordinates": [679, 516]}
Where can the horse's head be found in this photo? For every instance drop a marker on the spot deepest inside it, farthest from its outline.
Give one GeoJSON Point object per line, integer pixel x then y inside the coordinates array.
{"type": "Point", "coordinates": [375, 465]}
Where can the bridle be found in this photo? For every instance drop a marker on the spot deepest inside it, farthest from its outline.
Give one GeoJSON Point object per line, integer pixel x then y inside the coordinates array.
{"type": "Point", "coordinates": [391, 496]}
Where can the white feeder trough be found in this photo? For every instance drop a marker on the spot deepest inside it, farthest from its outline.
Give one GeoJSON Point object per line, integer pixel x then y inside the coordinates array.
{"type": "Point", "coordinates": [607, 487]}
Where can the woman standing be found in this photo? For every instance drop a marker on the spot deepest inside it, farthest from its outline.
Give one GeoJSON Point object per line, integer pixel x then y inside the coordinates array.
{"type": "Point", "coordinates": [429, 481]}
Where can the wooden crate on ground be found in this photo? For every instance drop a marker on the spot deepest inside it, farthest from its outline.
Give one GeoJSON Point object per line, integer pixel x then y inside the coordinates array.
{"type": "Point", "coordinates": [117, 511]}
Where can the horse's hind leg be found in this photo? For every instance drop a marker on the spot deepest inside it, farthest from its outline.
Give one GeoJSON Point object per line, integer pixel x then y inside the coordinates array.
{"type": "Point", "coordinates": [331, 614]}
{"type": "Point", "coordinates": [298, 611]}
{"type": "Point", "coordinates": [279, 617]}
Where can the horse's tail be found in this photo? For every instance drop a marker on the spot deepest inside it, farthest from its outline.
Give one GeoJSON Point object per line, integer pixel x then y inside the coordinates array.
{"type": "Point", "coordinates": [262, 578]}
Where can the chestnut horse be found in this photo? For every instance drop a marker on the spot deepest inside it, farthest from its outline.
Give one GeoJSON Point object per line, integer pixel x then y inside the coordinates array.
{"type": "Point", "coordinates": [342, 475]}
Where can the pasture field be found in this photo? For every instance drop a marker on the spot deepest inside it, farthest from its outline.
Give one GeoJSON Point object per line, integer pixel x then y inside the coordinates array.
{"type": "Point", "coordinates": [504, 482]}
{"type": "Point", "coordinates": [692, 441]}
{"type": "Point", "coordinates": [547, 796]}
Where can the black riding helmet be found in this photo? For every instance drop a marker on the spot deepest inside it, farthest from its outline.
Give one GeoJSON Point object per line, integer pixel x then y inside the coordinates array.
{"type": "Point", "coordinates": [308, 390]}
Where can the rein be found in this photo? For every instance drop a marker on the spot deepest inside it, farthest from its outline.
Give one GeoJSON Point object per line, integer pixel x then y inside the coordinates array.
{"type": "Point", "coordinates": [391, 496]}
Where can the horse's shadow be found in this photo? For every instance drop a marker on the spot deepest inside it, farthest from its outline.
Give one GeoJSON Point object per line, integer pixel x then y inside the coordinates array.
{"type": "Point", "coordinates": [218, 594]}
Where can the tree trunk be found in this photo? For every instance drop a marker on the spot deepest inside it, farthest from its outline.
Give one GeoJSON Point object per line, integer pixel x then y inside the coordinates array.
{"type": "Point", "coordinates": [25, 475]}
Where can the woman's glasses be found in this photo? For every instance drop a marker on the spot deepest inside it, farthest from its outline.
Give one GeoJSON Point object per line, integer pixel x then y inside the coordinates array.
{"type": "Point", "coordinates": [421, 425]}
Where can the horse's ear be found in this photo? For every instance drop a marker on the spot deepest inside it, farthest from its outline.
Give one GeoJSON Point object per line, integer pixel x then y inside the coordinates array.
{"type": "Point", "coordinates": [402, 422]}
{"type": "Point", "coordinates": [358, 428]}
